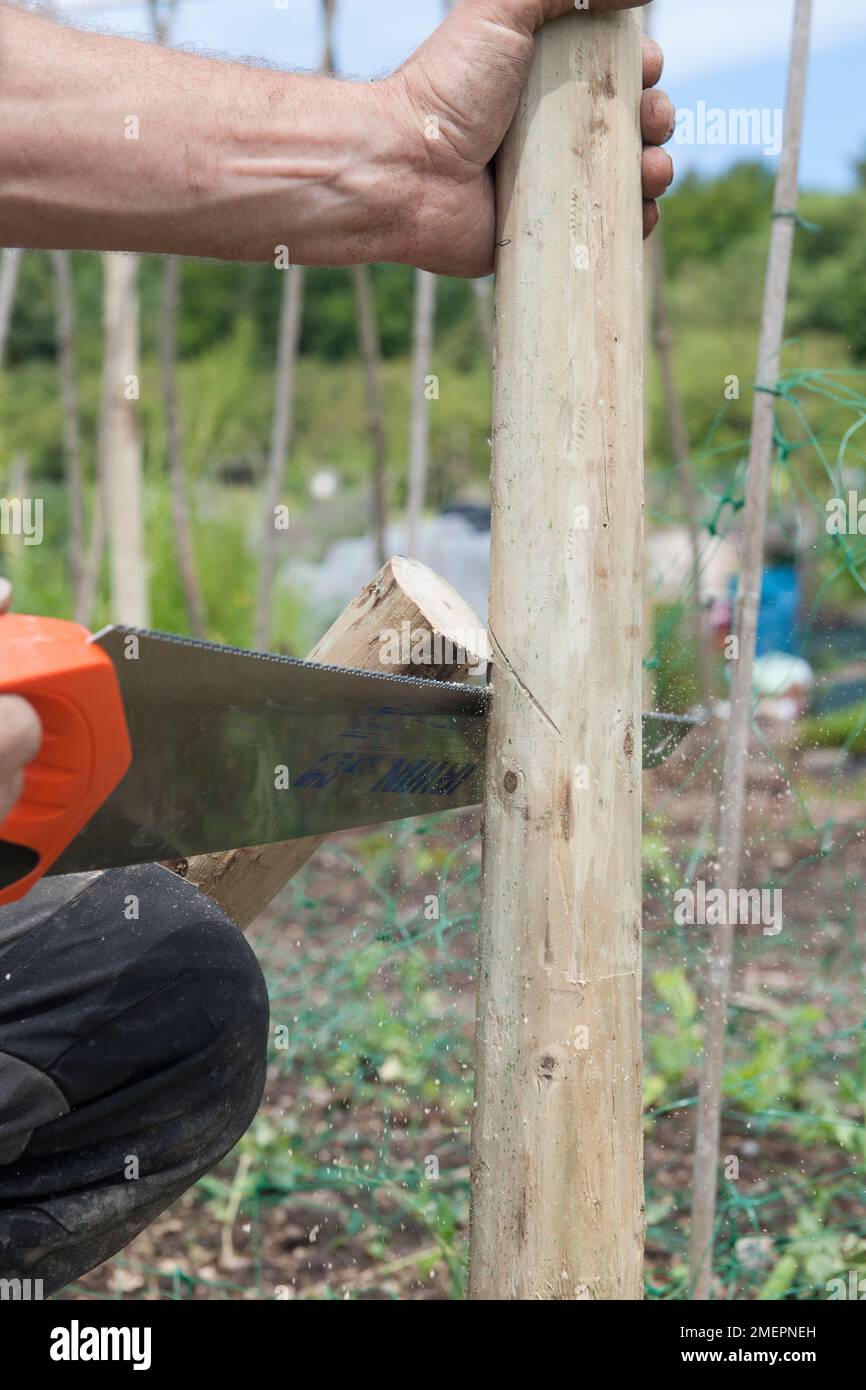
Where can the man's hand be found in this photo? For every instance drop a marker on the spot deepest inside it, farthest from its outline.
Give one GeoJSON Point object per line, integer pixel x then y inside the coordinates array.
{"type": "Point", "coordinates": [20, 734]}
{"type": "Point", "coordinates": [468, 77]}
{"type": "Point", "coordinates": [239, 163]}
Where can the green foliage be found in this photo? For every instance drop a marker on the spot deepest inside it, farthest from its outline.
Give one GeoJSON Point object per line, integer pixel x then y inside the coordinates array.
{"type": "Point", "coordinates": [828, 287]}
{"type": "Point", "coordinates": [814, 1255]}
{"type": "Point", "coordinates": [705, 216]}
{"type": "Point", "coordinates": [675, 1044]}
{"type": "Point", "coordinates": [676, 681]}
{"type": "Point", "coordinates": [844, 728]}
{"type": "Point", "coordinates": [777, 1062]}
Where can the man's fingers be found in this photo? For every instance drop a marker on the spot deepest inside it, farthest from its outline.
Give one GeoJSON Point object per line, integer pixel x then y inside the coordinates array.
{"type": "Point", "coordinates": [20, 733]}
{"type": "Point", "coordinates": [657, 118]}
{"type": "Point", "coordinates": [657, 172]}
{"type": "Point", "coordinates": [5, 595]}
{"type": "Point", "coordinates": [650, 216]}
{"type": "Point", "coordinates": [653, 62]}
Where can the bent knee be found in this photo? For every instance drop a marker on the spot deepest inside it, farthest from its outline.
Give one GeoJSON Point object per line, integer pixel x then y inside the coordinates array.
{"type": "Point", "coordinates": [162, 1014]}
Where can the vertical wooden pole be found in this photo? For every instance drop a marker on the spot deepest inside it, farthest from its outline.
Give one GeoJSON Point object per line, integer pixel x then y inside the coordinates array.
{"type": "Point", "coordinates": [735, 772]}
{"type": "Point", "coordinates": [371, 356]}
{"type": "Point", "coordinates": [65, 330]}
{"type": "Point", "coordinates": [184, 543]}
{"type": "Point", "coordinates": [424, 317]}
{"type": "Point", "coordinates": [10, 265]}
{"type": "Point", "coordinates": [120, 444]}
{"type": "Point", "coordinates": [368, 339]}
{"type": "Point", "coordinates": [557, 1149]}
{"type": "Point", "coordinates": [282, 428]}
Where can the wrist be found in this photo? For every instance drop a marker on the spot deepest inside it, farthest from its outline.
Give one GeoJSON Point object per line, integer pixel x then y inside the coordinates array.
{"type": "Point", "coordinates": [378, 181]}
{"type": "Point", "coordinates": [396, 174]}
{"type": "Point", "coordinates": [317, 165]}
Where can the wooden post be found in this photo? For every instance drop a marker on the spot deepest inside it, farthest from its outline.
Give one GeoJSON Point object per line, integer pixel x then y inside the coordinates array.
{"type": "Point", "coordinates": [735, 772]}
{"type": "Point", "coordinates": [244, 881]}
{"type": "Point", "coordinates": [64, 314]}
{"type": "Point", "coordinates": [371, 356]}
{"type": "Point", "coordinates": [282, 427]}
{"type": "Point", "coordinates": [424, 318]}
{"type": "Point", "coordinates": [557, 1208]}
{"type": "Point", "coordinates": [120, 464]}
{"type": "Point", "coordinates": [10, 265]}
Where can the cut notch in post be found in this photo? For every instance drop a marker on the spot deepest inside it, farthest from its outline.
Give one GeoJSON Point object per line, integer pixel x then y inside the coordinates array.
{"type": "Point", "coordinates": [244, 881]}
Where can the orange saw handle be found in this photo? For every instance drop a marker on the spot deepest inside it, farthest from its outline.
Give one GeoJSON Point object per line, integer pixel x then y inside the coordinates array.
{"type": "Point", "coordinates": [73, 687]}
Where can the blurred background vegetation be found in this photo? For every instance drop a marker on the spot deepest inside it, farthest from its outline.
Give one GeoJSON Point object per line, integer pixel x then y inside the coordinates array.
{"type": "Point", "coordinates": [716, 236]}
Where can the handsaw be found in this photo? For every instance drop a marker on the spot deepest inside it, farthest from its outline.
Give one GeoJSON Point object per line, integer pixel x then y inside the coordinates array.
{"type": "Point", "coordinates": [158, 747]}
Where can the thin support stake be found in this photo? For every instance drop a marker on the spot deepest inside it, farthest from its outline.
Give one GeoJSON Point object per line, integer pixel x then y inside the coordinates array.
{"type": "Point", "coordinates": [748, 605]}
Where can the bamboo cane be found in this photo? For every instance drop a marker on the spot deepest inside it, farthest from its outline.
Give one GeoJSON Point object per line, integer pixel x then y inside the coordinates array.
{"type": "Point", "coordinates": [733, 808]}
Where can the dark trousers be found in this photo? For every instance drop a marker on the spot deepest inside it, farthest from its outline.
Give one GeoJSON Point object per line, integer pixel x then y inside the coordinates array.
{"type": "Point", "coordinates": [133, 1042]}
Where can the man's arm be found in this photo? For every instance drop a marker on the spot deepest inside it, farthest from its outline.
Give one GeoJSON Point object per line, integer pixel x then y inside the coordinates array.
{"type": "Point", "coordinates": [114, 144]}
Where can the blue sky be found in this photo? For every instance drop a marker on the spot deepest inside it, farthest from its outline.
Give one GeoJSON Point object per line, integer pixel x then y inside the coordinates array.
{"type": "Point", "coordinates": [724, 53]}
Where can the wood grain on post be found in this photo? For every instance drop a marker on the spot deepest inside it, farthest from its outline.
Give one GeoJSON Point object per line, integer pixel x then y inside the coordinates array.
{"type": "Point", "coordinates": [557, 1209]}
{"type": "Point", "coordinates": [244, 881]}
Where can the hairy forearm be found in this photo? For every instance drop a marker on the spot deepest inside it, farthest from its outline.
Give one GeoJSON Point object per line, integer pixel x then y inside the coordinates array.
{"type": "Point", "coordinates": [108, 143]}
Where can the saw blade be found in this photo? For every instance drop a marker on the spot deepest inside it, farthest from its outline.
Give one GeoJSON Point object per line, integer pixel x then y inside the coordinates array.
{"type": "Point", "coordinates": [234, 748]}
